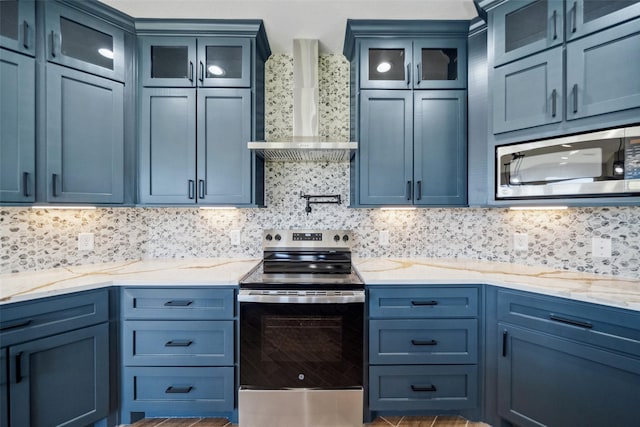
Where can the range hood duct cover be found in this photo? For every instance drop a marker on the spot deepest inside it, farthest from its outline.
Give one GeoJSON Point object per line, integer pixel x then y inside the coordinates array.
{"type": "Point", "coordinates": [305, 144]}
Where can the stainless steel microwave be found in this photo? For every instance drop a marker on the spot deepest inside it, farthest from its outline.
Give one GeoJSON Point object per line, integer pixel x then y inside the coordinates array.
{"type": "Point", "coordinates": [596, 164]}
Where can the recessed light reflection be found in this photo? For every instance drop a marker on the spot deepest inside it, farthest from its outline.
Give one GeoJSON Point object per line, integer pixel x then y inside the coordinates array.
{"type": "Point", "coordinates": [107, 53]}
{"type": "Point", "coordinates": [383, 67]}
{"type": "Point", "coordinates": [216, 70]}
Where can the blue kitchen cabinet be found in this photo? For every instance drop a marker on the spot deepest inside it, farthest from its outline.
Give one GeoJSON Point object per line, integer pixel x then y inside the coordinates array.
{"type": "Point", "coordinates": [17, 127]}
{"type": "Point", "coordinates": [85, 137]}
{"type": "Point", "coordinates": [529, 92]}
{"type": "Point", "coordinates": [386, 64]}
{"type": "Point", "coordinates": [588, 16]}
{"type": "Point", "coordinates": [602, 71]}
{"type": "Point", "coordinates": [78, 40]}
{"type": "Point", "coordinates": [524, 27]}
{"type": "Point", "coordinates": [4, 389]}
{"type": "Point", "coordinates": [440, 63]}
{"type": "Point", "coordinates": [18, 26]}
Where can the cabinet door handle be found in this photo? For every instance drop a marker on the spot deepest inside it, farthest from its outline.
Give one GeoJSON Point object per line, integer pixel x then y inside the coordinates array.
{"type": "Point", "coordinates": [201, 78]}
{"type": "Point", "coordinates": [18, 367]}
{"type": "Point", "coordinates": [555, 25]}
{"type": "Point", "coordinates": [178, 343]}
{"type": "Point", "coordinates": [408, 190]}
{"type": "Point", "coordinates": [420, 342]}
{"type": "Point", "coordinates": [408, 74]}
{"type": "Point", "coordinates": [178, 303]}
{"type": "Point", "coordinates": [15, 325]}
{"type": "Point", "coordinates": [191, 71]}
{"type": "Point", "coordinates": [427, 388]}
{"type": "Point", "coordinates": [554, 94]}
{"type": "Point", "coordinates": [192, 189]}
{"type": "Point", "coordinates": [180, 390]}
{"type": "Point", "coordinates": [575, 98]}
{"type": "Point", "coordinates": [54, 184]}
{"type": "Point", "coordinates": [579, 323]}
{"type": "Point", "coordinates": [53, 44]}
{"type": "Point", "coordinates": [504, 343]}
{"type": "Point", "coordinates": [419, 77]}
{"type": "Point", "coordinates": [201, 189]}
{"type": "Point", "coordinates": [419, 190]}
{"type": "Point", "coordinates": [432, 302]}
{"type": "Point", "coordinates": [25, 184]}
{"type": "Point", "coordinates": [25, 34]}
{"type": "Point", "coordinates": [574, 23]}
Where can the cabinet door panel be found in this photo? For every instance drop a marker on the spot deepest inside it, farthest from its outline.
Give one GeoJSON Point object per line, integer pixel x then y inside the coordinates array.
{"type": "Point", "coordinates": [440, 64]}
{"type": "Point", "coordinates": [602, 72]}
{"type": "Point", "coordinates": [18, 26]}
{"type": "Point", "coordinates": [4, 389]}
{"type": "Point", "coordinates": [386, 150]}
{"type": "Point", "coordinates": [588, 16]}
{"type": "Point", "coordinates": [85, 137]}
{"type": "Point", "coordinates": [168, 61]}
{"type": "Point", "coordinates": [224, 62]}
{"type": "Point", "coordinates": [168, 146]}
{"type": "Point", "coordinates": [224, 163]}
{"type": "Point", "coordinates": [548, 381]}
{"type": "Point", "coordinates": [440, 147]}
{"type": "Point", "coordinates": [385, 64]}
{"type": "Point", "coordinates": [61, 380]}
{"type": "Point", "coordinates": [17, 127]}
{"type": "Point", "coordinates": [528, 93]}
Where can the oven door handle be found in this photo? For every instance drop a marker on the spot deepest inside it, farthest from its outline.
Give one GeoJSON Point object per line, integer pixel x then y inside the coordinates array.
{"type": "Point", "coordinates": [353, 297]}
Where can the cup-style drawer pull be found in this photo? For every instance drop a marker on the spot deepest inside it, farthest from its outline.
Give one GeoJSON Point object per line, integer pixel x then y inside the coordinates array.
{"type": "Point", "coordinates": [178, 343]}
{"type": "Point", "coordinates": [424, 302]}
{"type": "Point", "coordinates": [571, 322]}
{"type": "Point", "coordinates": [15, 325]}
{"type": "Point", "coordinates": [420, 342]}
{"type": "Point", "coordinates": [178, 303]}
{"type": "Point", "coordinates": [178, 390]}
{"type": "Point", "coordinates": [427, 388]}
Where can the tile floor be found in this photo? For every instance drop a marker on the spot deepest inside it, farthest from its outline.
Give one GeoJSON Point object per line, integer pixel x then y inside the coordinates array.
{"type": "Point", "coordinates": [441, 421]}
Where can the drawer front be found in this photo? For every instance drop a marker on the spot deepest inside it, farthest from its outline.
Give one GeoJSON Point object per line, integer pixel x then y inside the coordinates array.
{"type": "Point", "coordinates": [167, 391]}
{"type": "Point", "coordinates": [178, 343]}
{"type": "Point", "coordinates": [608, 327]}
{"type": "Point", "coordinates": [174, 303]}
{"type": "Point", "coordinates": [422, 301]}
{"type": "Point", "coordinates": [424, 341]}
{"type": "Point", "coordinates": [27, 321]}
{"type": "Point", "coordinates": [423, 387]}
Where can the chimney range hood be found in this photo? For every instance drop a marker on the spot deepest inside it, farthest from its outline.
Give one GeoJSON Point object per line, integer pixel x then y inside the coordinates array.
{"type": "Point", "coordinates": [305, 144]}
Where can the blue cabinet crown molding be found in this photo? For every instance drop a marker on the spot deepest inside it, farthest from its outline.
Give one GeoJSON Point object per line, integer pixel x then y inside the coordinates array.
{"type": "Point", "coordinates": [103, 11]}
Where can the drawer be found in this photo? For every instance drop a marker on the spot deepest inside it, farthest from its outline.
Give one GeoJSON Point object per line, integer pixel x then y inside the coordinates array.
{"type": "Point", "coordinates": [423, 341]}
{"type": "Point", "coordinates": [175, 391]}
{"type": "Point", "coordinates": [609, 327]}
{"type": "Point", "coordinates": [178, 303]}
{"type": "Point", "coordinates": [422, 301]}
{"type": "Point", "coordinates": [406, 388]}
{"type": "Point", "coordinates": [27, 321]}
{"type": "Point", "coordinates": [178, 343]}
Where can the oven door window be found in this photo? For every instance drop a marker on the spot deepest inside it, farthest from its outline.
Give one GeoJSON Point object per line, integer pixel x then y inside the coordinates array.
{"type": "Point", "coordinates": [301, 345]}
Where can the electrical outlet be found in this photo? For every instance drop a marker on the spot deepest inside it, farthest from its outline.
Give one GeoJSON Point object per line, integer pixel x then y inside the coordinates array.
{"type": "Point", "coordinates": [600, 247]}
{"type": "Point", "coordinates": [520, 242]}
{"type": "Point", "coordinates": [234, 235]}
{"type": "Point", "coordinates": [85, 242]}
{"type": "Point", "coordinates": [383, 238]}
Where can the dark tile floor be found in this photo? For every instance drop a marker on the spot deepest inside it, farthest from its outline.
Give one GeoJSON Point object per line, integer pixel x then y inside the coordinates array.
{"type": "Point", "coordinates": [441, 421]}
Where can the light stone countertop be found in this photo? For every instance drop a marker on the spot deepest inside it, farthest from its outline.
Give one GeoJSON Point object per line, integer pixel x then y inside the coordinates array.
{"type": "Point", "coordinates": [607, 290]}
{"type": "Point", "coordinates": [613, 291]}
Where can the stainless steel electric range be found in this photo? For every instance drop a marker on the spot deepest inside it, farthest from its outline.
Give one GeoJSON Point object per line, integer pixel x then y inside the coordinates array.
{"type": "Point", "coordinates": [302, 333]}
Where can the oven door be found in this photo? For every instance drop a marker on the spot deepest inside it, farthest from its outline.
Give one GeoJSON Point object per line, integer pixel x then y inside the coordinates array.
{"type": "Point", "coordinates": [301, 342]}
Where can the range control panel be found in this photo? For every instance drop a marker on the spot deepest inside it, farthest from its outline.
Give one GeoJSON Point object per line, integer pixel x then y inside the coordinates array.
{"type": "Point", "coordinates": [331, 239]}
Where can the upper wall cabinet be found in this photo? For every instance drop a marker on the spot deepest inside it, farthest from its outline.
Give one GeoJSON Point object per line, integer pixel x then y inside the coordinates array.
{"type": "Point", "coordinates": [521, 28]}
{"type": "Point", "coordinates": [18, 26]}
{"type": "Point", "coordinates": [191, 62]}
{"type": "Point", "coordinates": [588, 16]}
{"type": "Point", "coordinates": [422, 64]}
{"type": "Point", "coordinates": [80, 41]}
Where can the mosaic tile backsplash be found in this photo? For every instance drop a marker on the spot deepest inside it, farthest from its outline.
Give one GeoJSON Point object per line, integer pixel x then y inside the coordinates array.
{"type": "Point", "coordinates": [40, 239]}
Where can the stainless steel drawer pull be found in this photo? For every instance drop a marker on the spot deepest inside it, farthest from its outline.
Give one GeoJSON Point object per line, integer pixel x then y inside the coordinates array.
{"type": "Point", "coordinates": [178, 390]}
{"type": "Point", "coordinates": [427, 388]}
{"type": "Point", "coordinates": [178, 343]}
{"type": "Point", "coordinates": [15, 325]}
{"type": "Point", "coordinates": [419, 342]}
{"type": "Point", "coordinates": [424, 302]}
{"type": "Point", "coordinates": [571, 322]}
{"type": "Point", "coordinates": [178, 303]}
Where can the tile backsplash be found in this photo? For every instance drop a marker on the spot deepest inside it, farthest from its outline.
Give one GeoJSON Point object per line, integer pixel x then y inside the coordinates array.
{"type": "Point", "coordinates": [40, 239]}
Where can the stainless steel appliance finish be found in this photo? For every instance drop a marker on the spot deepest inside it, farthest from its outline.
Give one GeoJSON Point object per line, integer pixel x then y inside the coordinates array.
{"type": "Point", "coordinates": [302, 333]}
{"type": "Point", "coordinates": [605, 163]}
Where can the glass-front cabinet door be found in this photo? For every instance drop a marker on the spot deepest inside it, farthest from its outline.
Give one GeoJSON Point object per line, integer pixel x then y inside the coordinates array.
{"type": "Point", "coordinates": [168, 61]}
{"type": "Point", "coordinates": [18, 26]}
{"type": "Point", "coordinates": [521, 28]}
{"type": "Point", "coordinates": [88, 44]}
{"type": "Point", "coordinates": [386, 64]}
{"type": "Point", "coordinates": [587, 16]}
{"type": "Point", "coordinates": [440, 64]}
{"type": "Point", "coordinates": [224, 62]}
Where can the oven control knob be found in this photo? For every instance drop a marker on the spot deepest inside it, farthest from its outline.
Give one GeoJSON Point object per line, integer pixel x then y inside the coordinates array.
{"type": "Point", "coordinates": [336, 237]}
{"type": "Point", "coordinates": [269, 237]}
{"type": "Point", "coordinates": [300, 377]}
{"type": "Point", "coordinates": [345, 238]}
{"type": "Point", "coordinates": [278, 237]}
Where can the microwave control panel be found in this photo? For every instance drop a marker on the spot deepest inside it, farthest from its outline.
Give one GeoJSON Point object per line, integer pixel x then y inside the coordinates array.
{"type": "Point", "coordinates": [632, 158]}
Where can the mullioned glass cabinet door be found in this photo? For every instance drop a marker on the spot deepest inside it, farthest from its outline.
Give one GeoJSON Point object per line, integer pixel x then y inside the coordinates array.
{"type": "Point", "coordinates": [386, 64]}
{"type": "Point", "coordinates": [588, 16]}
{"type": "Point", "coordinates": [88, 44]}
{"type": "Point", "coordinates": [168, 61]}
{"type": "Point", "coordinates": [224, 62]}
{"type": "Point", "coordinates": [18, 26]}
{"type": "Point", "coordinates": [440, 64]}
{"type": "Point", "coordinates": [522, 28]}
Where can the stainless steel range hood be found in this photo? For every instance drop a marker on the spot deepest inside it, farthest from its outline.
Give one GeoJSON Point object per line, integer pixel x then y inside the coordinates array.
{"type": "Point", "coordinates": [305, 144]}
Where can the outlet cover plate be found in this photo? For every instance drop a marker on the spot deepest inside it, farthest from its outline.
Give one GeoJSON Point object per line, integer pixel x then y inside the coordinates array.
{"type": "Point", "coordinates": [520, 242]}
{"type": "Point", "coordinates": [85, 241]}
{"type": "Point", "coordinates": [384, 238]}
{"type": "Point", "coordinates": [234, 235]}
{"type": "Point", "coordinates": [600, 247]}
